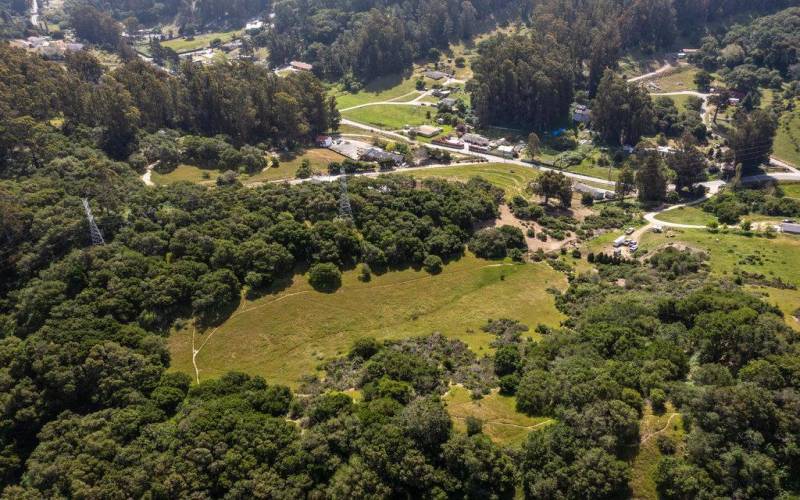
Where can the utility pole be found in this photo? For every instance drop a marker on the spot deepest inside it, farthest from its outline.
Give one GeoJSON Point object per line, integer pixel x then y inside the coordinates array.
{"type": "Point", "coordinates": [94, 231]}
{"type": "Point", "coordinates": [345, 212]}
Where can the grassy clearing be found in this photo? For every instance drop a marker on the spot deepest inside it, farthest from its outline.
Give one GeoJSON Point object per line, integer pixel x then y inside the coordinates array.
{"type": "Point", "coordinates": [501, 420]}
{"type": "Point", "coordinates": [791, 189]}
{"type": "Point", "coordinates": [289, 163]}
{"type": "Point", "coordinates": [188, 173]}
{"type": "Point", "coordinates": [511, 178]}
{"type": "Point", "coordinates": [181, 45]}
{"type": "Point", "coordinates": [775, 258]}
{"type": "Point", "coordinates": [643, 466]}
{"type": "Point", "coordinates": [680, 101]}
{"type": "Point", "coordinates": [380, 89]}
{"type": "Point", "coordinates": [391, 116]}
{"type": "Point", "coordinates": [687, 215]}
{"type": "Point", "coordinates": [787, 140]}
{"type": "Point", "coordinates": [587, 167]}
{"type": "Point", "coordinates": [680, 79]}
{"type": "Point", "coordinates": [635, 64]}
{"type": "Point", "coordinates": [284, 335]}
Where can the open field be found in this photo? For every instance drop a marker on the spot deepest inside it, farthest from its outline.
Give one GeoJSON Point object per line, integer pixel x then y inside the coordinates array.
{"type": "Point", "coordinates": [588, 168]}
{"type": "Point", "coordinates": [181, 45]}
{"type": "Point", "coordinates": [384, 88]}
{"type": "Point", "coordinates": [791, 189]}
{"type": "Point", "coordinates": [319, 158]}
{"type": "Point", "coordinates": [679, 100]}
{"type": "Point", "coordinates": [787, 140]}
{"type": "Point", "coordinates": [775, 258]}
{"type": "Point", "coordinates": [289, 163]}
{"type": "Point", "coordinates": [188, 173]}
{"type": "Point", "coordinates": [391, 116]}
{"type": "Point", "coordinates": [679, 79]}
{"type": "Point", "coordinates": [643, 466]}
{"type": "Point", "coordinates": [284, 335]}
{"type": "Point", "coordinates": [501, 420]}
{"type": "Point", "coordinates": [687, 215]}
{"type": "Point", "coordinates": [511, 178]}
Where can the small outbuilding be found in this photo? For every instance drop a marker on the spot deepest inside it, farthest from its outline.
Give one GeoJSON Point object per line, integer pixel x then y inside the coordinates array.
{"type": "Point", "coordinates": [790, 228]}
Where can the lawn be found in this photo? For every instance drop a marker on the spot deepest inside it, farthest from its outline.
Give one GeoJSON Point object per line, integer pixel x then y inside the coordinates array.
{"type": "Point", "coordinates": [511, 178]}
{"type": "Point", "coordinates": [643, 466]}
{"type": "Point", "coordinates": [391, 116]}
{"type": "Point", "coordinates": [791, 189]}
{"type": "Point", "coordinates": [319, 158]}
{"type": "Point", "coordinates": [774, 258]}
{"type": "Point", "coordinates": [501, 420]}
{"type": "Point", "coordinates": [680, 101]}
{"type": "Point", "coordinates": [687, 215]}
{"type": "Point", "coordinates": [593, 170]}
{"type": "Point", "coordinates": [680, 79]}
{"type": "Point", "coordinates": [285, 335]}
{"type": "Point", "coordinates": [381, 89]}
{"type": "Point", "coordinates": [787, 140]}
{"type": "Point", "coordinates": [188, 173]}
{"type": "Point", "coordinates": [181, 45]}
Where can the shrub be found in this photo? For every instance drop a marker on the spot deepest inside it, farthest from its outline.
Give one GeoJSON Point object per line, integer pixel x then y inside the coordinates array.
{"type": "Point", "coordinates": [432, 264]}
{"type": "Point", "coordinates": [587, 200]}
{"type": "Point", "coordinates": [366, 273]}
{"type": "Point", "coordinates": [665, 444]}
{"type": "Point", "coordinates": [658, 398]}
{"type": "Point", "coordinates": [474, 425]}
{"type": "Point", "coordinates": [325, 277]}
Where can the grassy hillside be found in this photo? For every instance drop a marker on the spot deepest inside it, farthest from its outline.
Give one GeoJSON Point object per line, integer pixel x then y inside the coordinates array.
{"type": "Point", "coordinates": [285, 335]}
{"type": "Point", "coordinates": [512, 178]}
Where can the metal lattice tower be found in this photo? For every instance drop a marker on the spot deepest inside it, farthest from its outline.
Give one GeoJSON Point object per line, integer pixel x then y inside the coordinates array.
{"type": "Point", "coordinates": [345, 212]}
{"type": "Point", "coordinates": [94, 231]}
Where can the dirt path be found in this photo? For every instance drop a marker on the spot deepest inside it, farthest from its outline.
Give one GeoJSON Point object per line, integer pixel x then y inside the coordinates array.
{"type": "Point", "coordinates": [148, 172]}
{"type": "Point", "coordinates": [652, 74]}
{"type": "Point", "coordinates": [656, 433]}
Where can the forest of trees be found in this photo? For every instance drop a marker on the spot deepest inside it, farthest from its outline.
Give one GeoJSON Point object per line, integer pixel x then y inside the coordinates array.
{"type": "Point", "coordinates": [521, 80]}
{"type": "Point", "coordinates": [245, 102]}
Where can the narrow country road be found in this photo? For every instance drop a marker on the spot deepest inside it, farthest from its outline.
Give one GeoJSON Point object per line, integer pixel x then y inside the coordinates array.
{"type": "Point", "coordinates": [491, 158]}
{"type": "Point", "coordinates": [652, 74]}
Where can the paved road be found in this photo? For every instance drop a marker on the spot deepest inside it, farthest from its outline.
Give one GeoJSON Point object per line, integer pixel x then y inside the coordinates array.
{"type": "Point", "coordinates": [491, 158]}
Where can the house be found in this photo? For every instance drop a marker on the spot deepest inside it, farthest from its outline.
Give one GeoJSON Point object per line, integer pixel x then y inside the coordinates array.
{"type": "Point", "coordinates": [581, 114]}
{"type": "Point", "coordinates": [506, 151]}
{"type": "Point", "coordinates": [382, 156]}
{"type": "Point", "coordinates": [440, 93]}
{"type": "Point", "coordinates": [427, 130]}
{"type": "Point", "coordinates": [596, 193]}
{"type": "Point", "coordinates": [790, 228]}
{"type": "Point", "coordinates": [300, 66]}
{"type": "Point", "coordinates": [324, 141]}
{"type": "Point", "coordinates": [448, 103]}
{"type": "Point", "coordinates": [254, 25]}
{"type": "Point", "coordinates": [435, 75]}
{"type": "Point", "coordinates": [475, 139]}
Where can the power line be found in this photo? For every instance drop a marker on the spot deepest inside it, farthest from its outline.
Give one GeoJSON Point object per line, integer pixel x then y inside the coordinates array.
{"type": "Point", "coordinates": [94, 231]}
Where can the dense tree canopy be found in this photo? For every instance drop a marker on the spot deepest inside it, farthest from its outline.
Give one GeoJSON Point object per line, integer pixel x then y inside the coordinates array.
{"type": "Point", "coordinates": [521, 80]}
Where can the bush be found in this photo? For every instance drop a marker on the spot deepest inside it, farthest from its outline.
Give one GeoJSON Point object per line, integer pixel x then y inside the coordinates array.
{"type": "Point", "coordinates": [576, 254]}
{"type": "Point", "coordinates": [474, 425]}
{"type": "Point", "coordinates": [365, 274]}
{"type": "Point", "coordinates": [587, 200]}
{"type": "Point", "coordinates": [325, 277]}
{"type": "Point", "coordinates": [508, 384]}
{"type": "Point", "coordinates": [665, 445]}
{"type": "Point", "coordinates": [658, 399]}
{"type": "Point", "coordinates": [432, 264]}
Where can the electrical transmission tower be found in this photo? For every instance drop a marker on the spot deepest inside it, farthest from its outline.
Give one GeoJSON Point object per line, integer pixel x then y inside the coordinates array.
{"type": "Point", "coordinates": [345, 212]}
{"type": "Point", "coordinates": [94, 231]}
